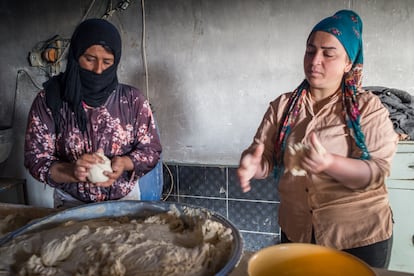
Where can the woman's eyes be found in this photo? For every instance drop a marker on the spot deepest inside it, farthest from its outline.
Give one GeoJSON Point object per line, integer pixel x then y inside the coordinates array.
{"type": "Point", "coordinates": [325, 53]}
{"type": "Point", "coordinates": [90, 59]}
{"type": "Point", "coordinates": [93, 59]}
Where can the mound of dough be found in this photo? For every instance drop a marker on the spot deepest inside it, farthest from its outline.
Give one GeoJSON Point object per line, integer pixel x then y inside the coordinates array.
{"type": "Point", "coordinates": [96, 171]}
{"type": "Point", "coordinates": [164, 244]}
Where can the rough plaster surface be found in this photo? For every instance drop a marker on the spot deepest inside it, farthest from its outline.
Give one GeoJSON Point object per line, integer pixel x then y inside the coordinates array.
{"type": "Point", "coordinates": [213, 65]}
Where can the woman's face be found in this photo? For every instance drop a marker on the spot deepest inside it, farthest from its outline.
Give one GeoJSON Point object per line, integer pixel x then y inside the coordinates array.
{"type": "Point", "coordinates": [325, 61]}
{"type": "Point", "coordinates": [96, 59]}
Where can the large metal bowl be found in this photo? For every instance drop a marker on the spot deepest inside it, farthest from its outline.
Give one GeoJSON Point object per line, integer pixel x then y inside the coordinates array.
{"type": "Point", "coordinates": [133, 209]}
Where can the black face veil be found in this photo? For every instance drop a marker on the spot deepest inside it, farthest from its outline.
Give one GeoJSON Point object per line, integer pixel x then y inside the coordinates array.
{"type": "Point", "coordinates": [77, 85]}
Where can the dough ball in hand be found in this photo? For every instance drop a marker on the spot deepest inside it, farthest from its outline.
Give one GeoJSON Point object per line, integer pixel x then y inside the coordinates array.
{"type": "Point", "coordinates": [96, 171]}
{"type": "Point", "coordinates": [298, 152]}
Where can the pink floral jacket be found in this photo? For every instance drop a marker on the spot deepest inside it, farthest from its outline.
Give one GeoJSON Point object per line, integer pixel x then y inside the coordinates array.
{"type": "Point", "coordinates": [124, 125]}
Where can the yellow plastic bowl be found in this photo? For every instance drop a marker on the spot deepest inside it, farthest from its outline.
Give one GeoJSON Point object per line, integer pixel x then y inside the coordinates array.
{"type": "Point", "coordinates": [297, 259]}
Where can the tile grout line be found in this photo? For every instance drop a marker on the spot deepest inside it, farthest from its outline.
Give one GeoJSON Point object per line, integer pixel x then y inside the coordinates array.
{"type": "Point", "coordinates": [261, 233]}
{"type": "Point", "coordinates": [178, 182]}
{"type": "Point", "coordinates": [231, 199]}
{"type": "Point", "coordinates": [227, 192]}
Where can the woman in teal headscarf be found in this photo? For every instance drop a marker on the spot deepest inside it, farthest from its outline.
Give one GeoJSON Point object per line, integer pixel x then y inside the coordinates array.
{"type": "Point", "coordinates": [330, 145]}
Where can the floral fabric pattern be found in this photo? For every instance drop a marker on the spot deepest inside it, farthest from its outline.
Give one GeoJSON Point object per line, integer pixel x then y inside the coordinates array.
{"type": "Point", "coordinates": [123, 126]}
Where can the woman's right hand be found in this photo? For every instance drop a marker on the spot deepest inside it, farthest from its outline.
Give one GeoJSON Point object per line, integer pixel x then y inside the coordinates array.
{"type": "Point", "coordinates": [84, 163]}
{"type": "Point", "coordinates": [65, 172]}
{"type": "Point", "coordinates": [250, 164]}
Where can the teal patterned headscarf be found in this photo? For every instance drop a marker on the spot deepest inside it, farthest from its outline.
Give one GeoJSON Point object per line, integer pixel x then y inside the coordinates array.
{"type": "Point", "coordinates": [346, 26]}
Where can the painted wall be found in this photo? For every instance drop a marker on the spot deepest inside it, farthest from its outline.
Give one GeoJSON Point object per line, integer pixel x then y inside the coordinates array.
{"type": "Point", "coordinates": [213, 65]}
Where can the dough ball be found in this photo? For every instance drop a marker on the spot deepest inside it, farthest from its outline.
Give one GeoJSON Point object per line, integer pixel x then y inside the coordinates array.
{"type": "Point", "coordinates": [298, 152]}
{"type": "Point", "coordinates": [96, 171]}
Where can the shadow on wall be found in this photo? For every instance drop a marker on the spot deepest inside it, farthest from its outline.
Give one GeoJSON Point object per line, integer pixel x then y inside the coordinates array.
{"type": "Point", "coordinates": [166, 99]}
{"type": "Point", "coordinates": [26, 90]}
{"type": "Point", "coordinates": [13, 167]}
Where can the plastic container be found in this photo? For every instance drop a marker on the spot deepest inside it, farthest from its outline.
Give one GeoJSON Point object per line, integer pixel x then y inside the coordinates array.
{"type": "Point", "coordinates": [151, 184]}
{"type": "Point", "coordinates": [300, 259]}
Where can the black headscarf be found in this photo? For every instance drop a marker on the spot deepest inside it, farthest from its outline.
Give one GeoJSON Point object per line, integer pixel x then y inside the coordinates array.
{"type": "Point", "coordinates": [77, 85]}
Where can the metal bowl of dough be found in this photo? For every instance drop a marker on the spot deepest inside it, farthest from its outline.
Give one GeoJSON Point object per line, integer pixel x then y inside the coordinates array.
{"type": "Point", "coordinates": [133, 209]}
{"type": "Point", "coordinates": [6, 142]}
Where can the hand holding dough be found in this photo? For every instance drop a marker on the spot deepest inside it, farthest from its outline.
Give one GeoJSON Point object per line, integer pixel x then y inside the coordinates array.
{"type": "Point", "coordinates": [96, 171]}
{"type": "Point", "coordinates": [298, 152]}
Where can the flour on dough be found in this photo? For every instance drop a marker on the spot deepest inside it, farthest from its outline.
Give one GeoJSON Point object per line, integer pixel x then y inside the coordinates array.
{"type": "Point", "coordinates": [169, 243]}
{"type": "Point", "coordinates": [96, 171]}
{"type": "Point", "coordinates": [298, 152]}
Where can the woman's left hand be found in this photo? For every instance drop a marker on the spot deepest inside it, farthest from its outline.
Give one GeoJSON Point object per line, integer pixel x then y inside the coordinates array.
{"type": "Point", "coordinates": [119, 164]}
{"type": "Point", "coordinates": [350, 172]}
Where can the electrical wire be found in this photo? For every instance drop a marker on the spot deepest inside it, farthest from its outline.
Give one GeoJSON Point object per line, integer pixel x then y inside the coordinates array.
{"type": "Point", "coordinates": [172, 182]}
{"type": "Point", "coordinates": [109, 10]}
{"type": "Point", "coordinates": [65, 47]}
{"type": "Point", "coordinates": [83, 18]}
{"type": "Point", "coordinates": [66, 43]}
{"type": "Point", "coordinates": [123, 5]}
{"type": "Point", "coordinates": [38, 86]}
{"type": "Point", "coordinates": [88, 10]}
{"type": "Point", "coordinates": [144, 52]}
{"type": "Point", "coordinates": [144, 59]}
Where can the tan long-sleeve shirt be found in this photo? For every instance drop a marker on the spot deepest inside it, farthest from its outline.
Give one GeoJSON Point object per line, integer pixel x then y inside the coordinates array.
{"type": "Point", "coordinates": [340, 217]}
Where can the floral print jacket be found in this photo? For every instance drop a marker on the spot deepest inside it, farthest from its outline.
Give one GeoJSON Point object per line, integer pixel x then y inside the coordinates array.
{"type": "Point", "coordinates": [124, 125]}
